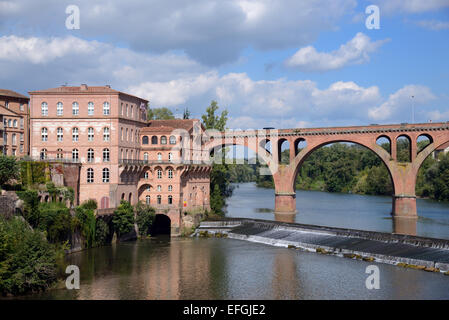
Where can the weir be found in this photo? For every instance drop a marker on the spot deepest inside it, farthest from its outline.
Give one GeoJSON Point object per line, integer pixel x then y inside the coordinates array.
{"type": "Point", "coordinates": [404, 250]}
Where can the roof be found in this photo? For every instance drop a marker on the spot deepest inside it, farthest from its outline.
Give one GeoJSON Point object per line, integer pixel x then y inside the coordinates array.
{"type": "Point", "coordinates": [186, 124]}
{"type": "Point", "coordinates": [156, 129]}
{"type": "Point", "coordinates": [5, 111]}
{"type": "Point", "coordinates": [13, 94]}
{"type": "Point", "coordinates": [83, 89]}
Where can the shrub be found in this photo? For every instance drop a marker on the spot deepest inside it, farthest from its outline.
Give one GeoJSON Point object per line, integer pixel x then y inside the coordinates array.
{"type": "Point", "coordinates": [9, 169]}
{"type": "Point", "coordinates": [31, 211]}
{"type": "Point", "coordinates": [86, 219]}
{"type": "Point", "coordinates": [101, 232]}
{"type": "Point", "coordinates": [56, 221]}
{"type": "Point", "coordinates": [90, 204]}
{"type": "Point", "coordinates": [144, 218]}
{"type": "Point", "coordinates": [123, 219]}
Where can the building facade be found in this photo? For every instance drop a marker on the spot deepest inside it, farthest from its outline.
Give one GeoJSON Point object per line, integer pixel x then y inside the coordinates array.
{"type": "Point", "coordinates": [14, 127]}
{"type": "Point", "coordinates": [122, 155]}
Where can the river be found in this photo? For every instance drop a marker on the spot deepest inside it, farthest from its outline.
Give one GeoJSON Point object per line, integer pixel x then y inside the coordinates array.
{"type": "Point", "coordinates": [198, 268]}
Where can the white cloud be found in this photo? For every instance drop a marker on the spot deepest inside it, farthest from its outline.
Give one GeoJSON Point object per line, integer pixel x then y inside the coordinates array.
{"type": "Point", "coordinates": [411, 6]}
{"type": "Point", "coordinates": [400, 103]}
{"type": "Point", "coordinates": [434, 25]}
{"type": "Point", "coordinates": [355, 51]}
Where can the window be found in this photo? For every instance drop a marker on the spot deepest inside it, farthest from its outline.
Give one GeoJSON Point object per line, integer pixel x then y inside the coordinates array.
{"type": "Point", "coordinates": [126, 109]}
{"type": "Point", "coordinates": [149, 188]}
{"type": "Point", "coordinates": [144, 140]}
{"type": "Point", "coordinates": [90, 155]}
{"type": "Point", "coordinates": [75, 155]}
{"type": "Point", "coordinates": [9, 123]}
{"type": "Point", "coordinates": [21, 107]}
{"type": "Point", "coordinates": [90, 109]}
{"type": "Point", "coordinates": [159, 188]}
{"type": "Point", "coordinates": [127, 137]}
{"type": "Point", "coordinates": [147, 199]}
{"type": "Point", "coordinates": [44, 134]}
{"type": "Point", "coordinates": [131, 111]}
{"type": "Point", "coordinates": [13, 152]}
{"type": "Point", "coordinates": [159, 156]}
{"type": "Point", "coordinates": [170, 188]}
{"type": "Point", "coordinates": [146, 175]}
{"type": "Point", "coordinates": [106, 155]}
{"type": "Point", "coordinates": [170, 173]}
{"type": "Point", "coordinates": [7, 104]}
{"type": "Point", "coordinates": [44, 109]}
{"type": "Point", "coordinates": [90, 175]}
{"type": "Point", "coordinates": [121, 134]}
{"type": "Point", "coordinates": [153, 140]}
{"type": "Point", "coordinates": [106, 109]}
{"type": "Point", "coordinates": [75, 134]}
{"type": "Point", "coordinates": [159, 173]}
{"type": "Point", "coordinates": [5, 139]}
{"type": "Point", "coordinates": [59, 134]}
{"type": "Point", "coordinates": [163, 140]}
{"type": "Point", "coordinates": [21, 123]}
{"type": "Point", "coordinates": [75, 108]}
{"type": "Point", "coordinates": [145, 156]}
{"type": "Point", "coordinates": [15, 123]}
{"type": "Point", "coordinates": [105, 175]}
{"type": "Point", "coordinates": [131, 134]}
{"type": "Point", "coordinates": [59, 109]}
{"type": "Point", "coordinates": [159, 199]}
{"type": "Point", "coordinates": [21, 148]}
{"type": "Point", "coordinates": [59, 154]}
{"type": "Point", "coordinates": [14, 139]}
{"type": "Point", "coordinates": [43, 154]}
{"type": "Point", "coordinates": [90, 134]}
{"type": "Point", "coordinates": [106, 134]}
{"type": "Point", "coordinates": [21, 138]}
{"type": "Point", "coordinates": [170, 156]}
{"type": "Point", "coordinates": [172, 140]}
{"type": "Point", "coordinates": [170, 199]}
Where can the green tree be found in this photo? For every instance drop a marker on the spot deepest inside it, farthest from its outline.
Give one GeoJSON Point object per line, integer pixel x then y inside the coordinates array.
{"type": "Point", "coordinates": [123, 218]}
{"type": "Point", "coordinates": [212, 121]}
{"type": "Point", "coordinates": [160, 114]}
{"type": "Point", "coordinates": [86, 222]}
{"type": "Point", "coordinates": [101, 232]}
{"type": "Point", "coordinates": [144, 218]}
{"type": "Point", "coordinates": [9, 169]}
{"type": "Point", "coordinates": [31, 210]}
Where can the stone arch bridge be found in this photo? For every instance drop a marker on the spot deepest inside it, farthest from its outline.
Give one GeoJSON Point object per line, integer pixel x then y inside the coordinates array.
{"type": "Point", "coordinates": [403, 174]}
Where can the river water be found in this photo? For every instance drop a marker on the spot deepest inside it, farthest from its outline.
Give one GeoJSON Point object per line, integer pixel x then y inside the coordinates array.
{"type": "Point", "coordinates": [198, 268]}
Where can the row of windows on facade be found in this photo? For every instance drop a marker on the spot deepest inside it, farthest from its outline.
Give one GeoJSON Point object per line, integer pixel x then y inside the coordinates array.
{"type": "Point", "coordinates": [13, 150]}
{"type": "Point", "coordinates": [159, 199]}
{"type": "Point", "coordinates": [75, 134]}
{"type": "Point", "coordinates": [22, 107]}
{"type": "Point", "coordinates": [12, 124]}
{"type": "Point", "coordinates": [13, 140]}
{"type": "Point", "coordinates": [75, 154]}
{"type": "Point", "coordinates": [75, 108]}
{"type": "Point", "coordinates": [154, 140]}
{"type": "Point", "coordinates": [159, 175]}
{"type": "Point", "coordinates": [159, 188]}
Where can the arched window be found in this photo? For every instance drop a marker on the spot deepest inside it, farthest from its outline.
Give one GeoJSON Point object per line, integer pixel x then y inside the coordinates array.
{"type": "Point", "coordinates": [149, 188]}
{"type": "Point", "coordinates": [145, 156]}
{"type": "Point", "coordinates": [159, 173]}
{"type": "Point", "coordinates": [145, 175]}
{"type": "Point", "coordinates": [105, 175]}
{"type": "Point", "coordinates": [159, 199]}
{"type": "Point", "coordinates": [131, 111]}
{"type": "Point", "coordinates": [127, 137]}
{"type": "Point", "coordinates": [106, 109]}
{"type": "Point", "coordinates": [59, 134]}
{"type": "Point", "coordinates": [170, 156]}
{"type": "Point", "coordinates": [43, 154]}
{"type": "Point", "coordinates": [159, 156]}
{"type": "Point", "coordinates": [106, 134]}
{"type": "Point", "coordinates": [90, 109]}
{"type": "Point", "coordinates": [44, 109]}
{"type": "Point", "coordinates": [163, 140]}
{"type": "Point", "coordinates": [170, 188]}
{"type": "Point", "coordinates": [170, 173]}
{"type": "Point", "coordinates": [9, 123]}
{"type": "Point", "coordinates": [153, 140]}
{"type": "Point", "coordinates": [75, 136]}
{"type": "Point", "coordinates": [172, 140]}
{"type": "Point", "coordinates": [90, 175]}
{"type": "Point", "coordinates": [59, 154]}
{"type": "Point", "coordinates": [147, 199]}
{"type": "Point", "coordinates": [59, 109]}
{"type": "Point", "coordinates": [14, 139]}
{"type": "Point", "coordinates": [170, 199]}
{"type": "Point", "coordinates": [44, 134]}
{"type": "Point", "coordinates": [159, 188]}
{"type": "Point", "coordinates": [106, 155]}
{"type": "Point", "coordinates": [75, 108]}
{"type": "Point", "coordinates": [75, 155]}
{"type": "Point", "coordinates": [90, 155]}
{"type": "Point", "coordinates": [132, 135]}
{"type": "Point", "coordinates": [15, 123]}
{"type": "Point", "coordinates": [90, 134]}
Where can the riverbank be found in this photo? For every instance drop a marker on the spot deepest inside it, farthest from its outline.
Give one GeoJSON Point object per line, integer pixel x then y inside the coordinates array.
{"type": "Point", "coordinates": [402, 250]}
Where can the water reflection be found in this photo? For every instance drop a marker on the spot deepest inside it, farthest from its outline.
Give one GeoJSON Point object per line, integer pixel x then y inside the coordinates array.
{"type": "Point", "coordinates": [285, 217]}
{"type": "Point", "coordinates": [405, 225]}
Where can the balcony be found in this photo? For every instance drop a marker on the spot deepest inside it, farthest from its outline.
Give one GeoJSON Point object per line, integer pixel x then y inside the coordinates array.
{"type": "Point", "coordinates": [48, 159]}
{"type": "Point", "coordinates": [137, 162]}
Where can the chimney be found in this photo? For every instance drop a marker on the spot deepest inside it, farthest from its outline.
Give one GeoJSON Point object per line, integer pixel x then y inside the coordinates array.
{"type": "Point", "coordinates": [83, 87]}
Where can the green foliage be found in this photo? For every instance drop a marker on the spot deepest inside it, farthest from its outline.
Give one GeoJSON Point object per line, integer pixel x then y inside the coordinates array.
{"type": "Point", "coordinates": [123, 218]}
{"type": "Point", "coordinates": [56, 220]}
{"type": "Point", "coordinates": [217, 201]}
{"type": "Point", "coordinates": [441, 182]}
{"type": "Point", "coordinates": [160, 114]}
{"type": "Point", "coordinates": [90, 204]}
{"type": "Point", "coordinates": [144, 218]}
{"type": "Point", "coordinates": [31, 211]}
{"type": "Point", "coordinates": [101, 232]}
{"type": "Point", "coordinates": [33, 173]}
{"type": "Point", "coordinates": [212, 121]}
{"type": "Point", "coordinates": [86, 222]}
{"type": "Point", "coordinates": [9, 169]}
{"type": "Point", "coordinates": [27, 260]}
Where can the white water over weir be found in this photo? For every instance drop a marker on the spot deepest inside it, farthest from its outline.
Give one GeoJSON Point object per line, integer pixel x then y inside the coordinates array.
{"type": "Point", "coordinates": [403, 250]}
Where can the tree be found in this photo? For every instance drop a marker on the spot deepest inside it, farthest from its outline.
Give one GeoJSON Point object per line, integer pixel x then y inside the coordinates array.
{"type": "Point", "coordinates": [212, 121]}
{"type": "Point", "coordinates": [31, 211]}
{"type": "Point", "coordinates": [160, 114]}
{"type": "Point", "coordinates": [144, 218]}
{"type": "Point", "coordinates": [9, 169]}
{"type": "Point", "coordinates": [123, 218]}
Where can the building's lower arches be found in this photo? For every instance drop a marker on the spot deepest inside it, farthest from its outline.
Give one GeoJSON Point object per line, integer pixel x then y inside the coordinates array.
{"type": "Point", "coordinates": [161, 225]}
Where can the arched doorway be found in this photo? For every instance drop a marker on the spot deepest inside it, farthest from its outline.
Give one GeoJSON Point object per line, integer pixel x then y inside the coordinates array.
{"type": "Point", "coordinates": [161, 225]}
{"type": "Point", "coordinates": [104, 203]}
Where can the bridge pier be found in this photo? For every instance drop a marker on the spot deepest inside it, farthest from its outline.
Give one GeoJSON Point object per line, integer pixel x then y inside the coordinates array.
{"type": "Point", "coordinates": [404, 206]}
{"type": "Point", "coordinates": [285, 202]}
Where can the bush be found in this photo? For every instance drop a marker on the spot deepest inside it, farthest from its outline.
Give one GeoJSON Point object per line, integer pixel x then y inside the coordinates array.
{"type": "Point", "coordinates": [101, 232]}
{"type": "Point", "coordinates": [144, 218]}
{"type": "Point", "coordinates": [123, 219]}
{"type": "Point", "coordinates": [56, 221]}
{"type": "Point", "coordinates": [86, 220]}
{"type": "Point", "coordinates": [90, 204]}
{"type": "Point", "coordinates": [9, 169]}
{"type": "Point", "coordinates": [27, 260]}
{"type": "Point", "coordinates": [31, 211]}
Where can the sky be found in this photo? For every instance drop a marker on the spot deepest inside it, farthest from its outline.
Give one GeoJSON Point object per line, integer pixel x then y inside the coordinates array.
{"type": "Point", "coordinates": [270, 63]}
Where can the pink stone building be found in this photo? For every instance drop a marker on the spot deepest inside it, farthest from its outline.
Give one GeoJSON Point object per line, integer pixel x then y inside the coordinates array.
{"type": "Point", "coordinates": [122, 155]}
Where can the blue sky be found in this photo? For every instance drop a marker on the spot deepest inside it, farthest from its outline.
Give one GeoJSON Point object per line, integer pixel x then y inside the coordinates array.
{"type": "Point", "coordinates": [270, 63]}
